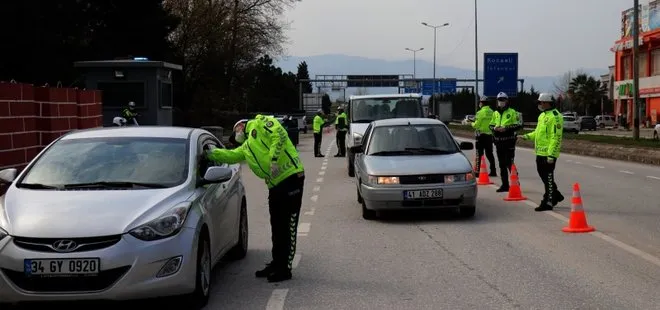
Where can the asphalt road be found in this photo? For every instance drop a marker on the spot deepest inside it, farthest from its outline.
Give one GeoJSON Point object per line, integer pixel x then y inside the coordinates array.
{"type": "Point", "coordinates": [506, 257]}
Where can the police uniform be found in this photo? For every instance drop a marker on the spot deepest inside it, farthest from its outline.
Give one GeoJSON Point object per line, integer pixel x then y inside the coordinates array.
{"type": "Point", "coordinates": [317, 127]}
{"type": "Point", "coordinates": [505, 141]}
{"type": "Point", "coordinates": [484, 137]}
{"type": "Point", "coordinates": [547, 137]}
{"type": "Point", "coordinates": [129, 114]}
{"type": "Point", "coordinates": [271, 156]}
{"type": "Point", "coordinates": [342, 128]}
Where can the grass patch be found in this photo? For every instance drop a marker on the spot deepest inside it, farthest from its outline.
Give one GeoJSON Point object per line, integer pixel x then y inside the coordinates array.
{"type": "Point", "coordinates": [622, 141]}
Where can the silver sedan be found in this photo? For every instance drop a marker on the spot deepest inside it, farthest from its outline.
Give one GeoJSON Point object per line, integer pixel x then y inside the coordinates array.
{"type": "Point", "coordinates": [414, 163]}
{"type": "Point", "coordinates": [120, 213]}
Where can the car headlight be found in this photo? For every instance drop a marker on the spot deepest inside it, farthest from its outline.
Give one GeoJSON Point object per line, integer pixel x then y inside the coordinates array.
{"type": "Point", "coordinates": [463, 177]}
{"type": "Point", "coordinates": [167, 225]}
{"type": "Point", "coordinates": [357, 138]}
{"type": "Point", "coordinates": [3, 234]}
{"type": "Point", "coordinates": [383, 180]}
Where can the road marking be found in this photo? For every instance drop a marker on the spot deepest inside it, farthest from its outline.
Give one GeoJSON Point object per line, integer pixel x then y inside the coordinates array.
{"type": "Point", "coordinates": [626, 172]}
{"type": "Point", "coordinates": [578, 162]}
{"type": "Point", "coordinates": [314, 198]}
{"type": "Point", "coordinates": [599, 167]}
{"type": "Point", "coordinates": [569, 161]}
{"type": "Point", "coordinates": [324, 167]}
{"type": "Point", "coordinates": [277, 298]}
{"type": "Point", "coordinates": [296, 261]}
{"type": "Point", "coordinates": [321, 172]}
{"type": "Point", "coordinates": [311, 211]}
{"type": "Point", "coordinates": [303, 228]}
{"type": "Point", "coordinates": [317, 188]}
{"type": "Point", "coordinates": [302, 235]}
{"type": "Point", "coordinates": [652, 177]}
{"type": "Point", "coordinates": [319, 180]}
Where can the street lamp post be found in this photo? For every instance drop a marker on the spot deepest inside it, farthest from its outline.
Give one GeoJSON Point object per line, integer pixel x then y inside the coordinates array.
{"type": "Point", "coordinates": [414, 51]}
{"type": "Point", "coordinates": [476, 60]}
{"type": "Point", "coordinates": [637, 117]}
{"type": "Point", "coordinates": [435, 38]}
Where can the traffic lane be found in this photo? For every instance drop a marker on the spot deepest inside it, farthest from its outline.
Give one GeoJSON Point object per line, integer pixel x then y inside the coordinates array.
{"type": "Point", "coordinates": [235, 286]}
{"type": "Point", "coordinates": [508, 256]}
{"type": "Point", "coordinates": [623, 206]}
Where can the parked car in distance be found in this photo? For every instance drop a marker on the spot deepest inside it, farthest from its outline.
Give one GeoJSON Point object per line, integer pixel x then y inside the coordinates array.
{"type": "Point", "coordinates": [571, 124]}
{"type": "Point", "coordinates": [587, 123]}
{"type": "Point", "coordinates": [120, 213]}
{"type": "Point", "coordinates": [413, 163]}
{"type": "Point", "coordinates": [605, 121]}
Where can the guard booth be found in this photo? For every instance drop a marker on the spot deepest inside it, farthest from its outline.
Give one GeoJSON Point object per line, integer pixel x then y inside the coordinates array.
{"type": "Point", "coordinates": [145, 82]}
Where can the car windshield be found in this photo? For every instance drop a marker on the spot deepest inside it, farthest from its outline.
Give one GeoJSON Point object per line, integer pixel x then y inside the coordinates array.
{"type": "Point", "coordinates": [411, 140]}
{"type": "Point", "coordinates": [371, 109]}
{"type": "Point", "coordinates": [151, 162]}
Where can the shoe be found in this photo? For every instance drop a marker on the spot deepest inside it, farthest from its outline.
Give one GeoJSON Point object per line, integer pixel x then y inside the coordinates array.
{"type": "Point", "coordinates": [543, 207]}
{"type": "Point", "coordinates": [279, 276]}
{"type": "Point", "coordinates": [264, 272]}
{"type": "Point", "coordinates": [557, 200]}
{"type": "Point", "coordinates": [502, 189]}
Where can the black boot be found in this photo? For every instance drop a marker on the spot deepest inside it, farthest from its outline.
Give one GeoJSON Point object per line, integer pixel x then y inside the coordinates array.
{"type": "Point", "coordinates": [503, 189]}
{"type": "Point", "coordinates": [558, 198]}
{"type": "Point", "coordinates": [544, 206]}
{"type": "Point", "coordinates": [280, 275]}
{"type": "Point", "coordinates": [264, 272]}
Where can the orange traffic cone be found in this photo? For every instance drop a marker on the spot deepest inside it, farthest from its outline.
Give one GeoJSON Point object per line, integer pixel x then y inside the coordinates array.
{"type": "Point", "coordinates": [515, 193]}
{"type": "Point", "coordinates": [578, 220]}
{"type": "Point", "coordinates": [483, 173]}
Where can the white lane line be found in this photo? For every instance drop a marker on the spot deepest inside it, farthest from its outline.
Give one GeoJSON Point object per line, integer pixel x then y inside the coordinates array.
{"type": "Point", "coordinates": [302, 235]}
{"type": "Point", "coordinates": [311, 211]}
{"type": "Point", "coordinates": [319, 180]}
{"type": "Point", "coordinates": [304, 228]}
{"type": "Point", "coordinates": [317, 188]}
{"type": "Point", "coordinates": [569, 160]}
{"type": "Point", "coordinates": [652, 177]}
{"type": "Point", "coordinates": [324, 167]}
{"type": "Point", "coordinates": [314, 198]}
{"type": "Point", "coordinates": [628, 248]}
{"type": "Point", "coordinates": [597, 166]}
{"type": "Point", "coordinates": [277, 298]}
{"type": "Point", "coordinates": [578, 162]}
{"type": "Point", "coordinates": [321, 172]}
{"type": "Point", "coordinates": [626, 172]}
{"type": "Point", "coordinates": [296, 261]}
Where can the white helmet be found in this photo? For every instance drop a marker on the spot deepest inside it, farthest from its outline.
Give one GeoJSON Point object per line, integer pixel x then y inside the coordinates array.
{"type": "Point", "coordinates": [131, 104]}
{"type": "Point", "coordinates": [502, 96]}
{"type": "Point", "coordinates": [483, 99]}
{"type": "Point", "coordinates": [545, 97]}
{"type": "Point", "coordinates": [119, 121]}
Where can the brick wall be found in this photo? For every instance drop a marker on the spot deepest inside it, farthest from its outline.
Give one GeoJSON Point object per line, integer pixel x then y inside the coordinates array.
{"type": "Point", "coordinates": [32, 117]}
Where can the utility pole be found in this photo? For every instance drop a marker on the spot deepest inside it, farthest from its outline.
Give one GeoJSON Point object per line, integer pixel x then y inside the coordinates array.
{"type": "Point", "coordinates": [635, 38]}
{"type": "Point", "coordinates": [476, 61]}
{"type": "Point", "coordinates": [435, 38]}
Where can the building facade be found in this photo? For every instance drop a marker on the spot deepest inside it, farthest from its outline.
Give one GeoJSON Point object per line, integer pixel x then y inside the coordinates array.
{"type": "Point", "coordinates": [649, 66]}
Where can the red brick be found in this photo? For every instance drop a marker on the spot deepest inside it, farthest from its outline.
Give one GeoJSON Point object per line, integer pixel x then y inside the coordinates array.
{"type": "Point", "coordinates": [11, 125]}
{"type": "Point", "coordinates": [4, 109]}
{"type": "Point", "coordinates": [9, 91]}
{"type": "Point", "coordinates": [42, 94]}
{"type": "Point", "coordinates": [25, 108]}
{"type": "Point", "coordinates": [32, 152]}
{"type": "Point", "coordinates": [23, 140]}
{"type": "Point", "coordinates": [5, 142]}
{"type": "Point", "coordinates": [84, 123]}
{"type": "Point", "coordinates": [28, 92]}
{"type": "Point", "coordinates": [30, 123]}
{"type": "Point", "coordinates": [73, 123]}
{"type": "Point", "coordinates": [83, 110]}
{"type": "Point", "coordinates": [85, 96]}
{"type": "Point", "coordinates": [43, 124]}
{"type": "Point", "coordinates": [12, 158]}
{"type": "Point", "coordinates": [95, 110]}
{"type": "Point", "coordinates": [59, 124]}
{"type": "Point", "coordinates": [50, 109]}
{"type": "Point", "coordinates": [62, 95]}
{"type": "Point", "coordinates": [68, 109]}
{"type": "Point", "coordinates": [48, 137]}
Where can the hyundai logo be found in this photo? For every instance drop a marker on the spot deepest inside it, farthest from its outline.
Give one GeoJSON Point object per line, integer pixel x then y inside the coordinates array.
{"type": "Point", "coordinates": [64, 245]}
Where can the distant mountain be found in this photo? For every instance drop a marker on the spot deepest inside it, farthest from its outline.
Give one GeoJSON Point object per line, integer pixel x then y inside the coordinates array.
{"type": "Point", "coordinates": [339, 64]}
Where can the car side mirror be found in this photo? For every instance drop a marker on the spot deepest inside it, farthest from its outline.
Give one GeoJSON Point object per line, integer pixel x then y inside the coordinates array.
{"type": "Point", "coordinates": [357, 149]}
{"type": "Point", "coordinates": [8, 175]}
{"type": "Point", "coordinates": [466, 146]}
{"type": "Point", "coordinates": [216, 175]}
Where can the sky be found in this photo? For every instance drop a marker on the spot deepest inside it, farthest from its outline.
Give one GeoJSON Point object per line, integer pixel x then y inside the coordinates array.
{"type": "Point", "coordinates": [551, 36]}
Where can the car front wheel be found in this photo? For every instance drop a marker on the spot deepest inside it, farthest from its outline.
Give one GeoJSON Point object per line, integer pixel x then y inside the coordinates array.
{"type": "Point", "coordinates": [200, 297]}
{"type": "Point", "coordinates": [239, 251]}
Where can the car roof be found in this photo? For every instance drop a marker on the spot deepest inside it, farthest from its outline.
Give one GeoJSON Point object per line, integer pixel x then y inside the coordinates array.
{"type": "Point", "coordinates": [386, 96]}
{"type": "Point", "coordinates": [406, 121]}
{"type": "Point", "coordinates": [132, 131]}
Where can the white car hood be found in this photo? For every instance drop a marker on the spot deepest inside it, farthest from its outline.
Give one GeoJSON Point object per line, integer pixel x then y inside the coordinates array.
{"type": "Point", "coordinates": [359, 128]}
{"type": "Point", "coordinates": [80, 213]}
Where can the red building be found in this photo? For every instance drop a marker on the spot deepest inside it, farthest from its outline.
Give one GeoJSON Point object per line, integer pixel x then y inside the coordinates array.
{"type": "Point", "coordinates": [649, 66]}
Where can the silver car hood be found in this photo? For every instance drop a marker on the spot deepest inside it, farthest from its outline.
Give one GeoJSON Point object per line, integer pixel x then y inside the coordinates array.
{"type": "Point", "coordinates": [82, 213]}
{"type": "Point", "coordinates": [417, 164]}
{"type": "Point", "coordinates": [359, 128]}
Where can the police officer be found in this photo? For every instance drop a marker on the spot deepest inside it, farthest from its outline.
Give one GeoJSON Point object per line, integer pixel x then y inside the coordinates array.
{"type": "Point", "coordinates": [129, 113]}
{"type": "Point", "coordinates": [547, 143]}
{"type": "Point", "coordinates": [342, 128]}
{"type": "Point", "coordinates": [505, 124]}
{"type": "Point", "coordinates": [484, 135]}
{"type": "Point", "coordinates": [317, 126]}
{"type": "Point", "coordinates": [270, 154]}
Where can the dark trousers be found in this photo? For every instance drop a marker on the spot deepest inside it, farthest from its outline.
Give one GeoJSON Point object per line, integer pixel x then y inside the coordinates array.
{"type": "Point", "coordinates": [506, 152]}
{"type": "Point", "coordinates": [317, 143]}
{"type": "Point", "coordinates": [546, 171]}
{"type": "Point", "coordinates": [485, 145]}
{"type": "Point", "coordinates": [341, 142]}
{"type": "Point", "coordinates": [284, 203]}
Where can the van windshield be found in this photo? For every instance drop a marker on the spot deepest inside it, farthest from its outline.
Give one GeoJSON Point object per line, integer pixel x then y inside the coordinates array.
{"type": "Point", "coordinates": [371, 109]}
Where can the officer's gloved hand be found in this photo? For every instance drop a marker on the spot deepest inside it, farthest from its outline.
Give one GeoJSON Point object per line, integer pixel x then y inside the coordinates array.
{"type": "Point", "coordinates": [274, 170]}
{"type": "Point", "coordinates": [208, 148]}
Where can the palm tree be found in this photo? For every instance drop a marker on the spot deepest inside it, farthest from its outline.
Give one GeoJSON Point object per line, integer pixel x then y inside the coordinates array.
{"type": "Point", "coordinates": [585, 91]}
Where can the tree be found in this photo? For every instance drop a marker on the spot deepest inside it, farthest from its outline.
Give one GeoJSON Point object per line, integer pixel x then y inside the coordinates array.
{"type": "Point", "coordinates": [326, 103]}
{"type": "Point", "coordinates": [586, 91]}
{"type": "Point", "coordinates": [303, 74]}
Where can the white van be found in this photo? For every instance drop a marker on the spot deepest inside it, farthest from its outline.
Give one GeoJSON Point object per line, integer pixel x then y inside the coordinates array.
{"type": "Point", "coordinates": [362, 110]}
